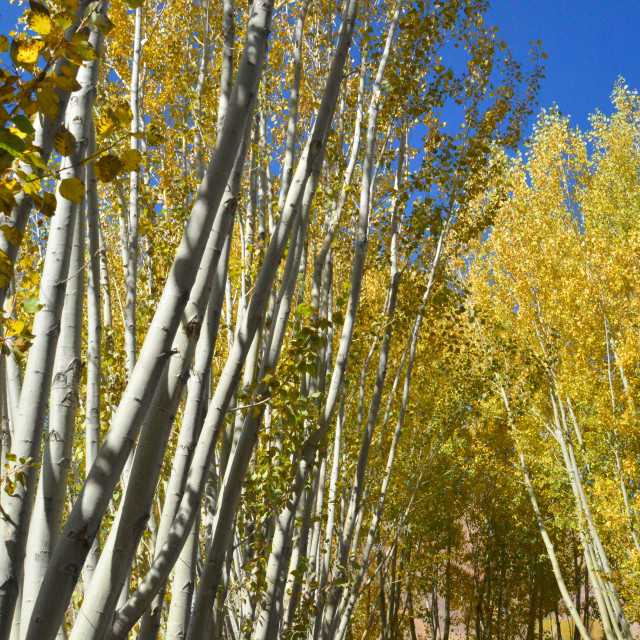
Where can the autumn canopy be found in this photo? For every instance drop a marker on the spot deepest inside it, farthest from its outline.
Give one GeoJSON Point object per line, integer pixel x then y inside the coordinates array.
{"type": "Point", "coordinates": [300, 338]}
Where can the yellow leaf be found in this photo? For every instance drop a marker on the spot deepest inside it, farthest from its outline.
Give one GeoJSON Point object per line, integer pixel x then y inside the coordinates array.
{"type": "Point", "coordinates": [63, 19]}
{"type": "Point", "coordinates": [107, 168]}
{"type": "Point", "coordinates": [34, 159]}
{"type": "Point", "coordinates": [30, 182]}
{"type": "Point", "coordinates": [106, 125]}
{"type": "Point", "coordinates": [122, 111]}
{"type": "Point", "coordinates": [64, 142]}
{"type": "Point", "coordinates": [25, 52]}
{"type": "Point", "coordinates": [16, 132]}
{"type": "Point", "coordinates": [6, 269]}
{"type": "Point", "coordinates": [131, 159]}
{"type": "Point", "coordinates": [4, 44]}
{"type": "Point", "coordinates": [154, 135]}
{"type": "Point", "coordinates": [8, 191]}
{"type": "Point", "coordinates": [39, 19]}
{"type": "Point", "coordinates": [72, 189]}
{"type": "Point", "coordinates": [15, 326]}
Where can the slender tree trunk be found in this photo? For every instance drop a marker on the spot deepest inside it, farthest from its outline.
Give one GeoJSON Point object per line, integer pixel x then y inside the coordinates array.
{"type": "Point", "coordinates": [130, 219]}
{"type": "Point", "coordinates": [131, 276]}
{"type": "Point", "coordinates": [182, 586]}
{"type": "Point", "coordinates": [52, 488]}
{"type": "Point", "coordinates": [94, 341]}
{"type": "Point", "coordinates": [294, 98]}
{"type": "Point", "coordinates": [331, 511]}
{"type": "Point", "coordinates": [192, 420]}
{"type": "Point", "coordinates": [609, 592]}
{"type": "Point", "coordinates": [34, 398]}
{"type": "Point", "coordinates": [229, 380]}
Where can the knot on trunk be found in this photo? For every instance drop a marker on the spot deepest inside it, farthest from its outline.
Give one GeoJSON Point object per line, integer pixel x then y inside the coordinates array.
{"type": "Point", "coordinates": [192, 327]}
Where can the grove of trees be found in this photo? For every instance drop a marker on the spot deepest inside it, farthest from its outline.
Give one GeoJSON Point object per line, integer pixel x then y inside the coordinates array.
{"type": "Point", "coordinates": [300, 338]}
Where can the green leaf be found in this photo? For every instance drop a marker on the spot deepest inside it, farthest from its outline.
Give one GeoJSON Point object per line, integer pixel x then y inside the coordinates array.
{"type": "Point", "coordinates": [101, 22]}
{"type": "Point", "coordinates": [304, 309]}
{"type": "Point", "coordinates": [32, 304]}
{"type": "Point", "coordinates": [11, 143]}
{"type": "Point", "coordinates": [23, 124]}
{"type": "Point", "coordinates": [91, 8]}
{"type": "Point", "coordinates": [86, 51]}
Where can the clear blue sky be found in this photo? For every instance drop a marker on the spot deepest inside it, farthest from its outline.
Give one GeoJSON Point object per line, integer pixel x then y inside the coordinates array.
{"type": "Point", "coordinates": [589, 42]}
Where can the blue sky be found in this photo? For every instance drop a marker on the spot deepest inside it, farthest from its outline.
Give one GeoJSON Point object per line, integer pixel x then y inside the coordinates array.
{"type": "Point", "coordinates": [589, 42]}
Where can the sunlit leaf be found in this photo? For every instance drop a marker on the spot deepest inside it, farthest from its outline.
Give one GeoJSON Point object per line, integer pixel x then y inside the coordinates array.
{"type": "Point", "coordinates": [122, 112]}
{"type": "Point", "coordinates": [25, 52]}
{"type": "Point", "coordinates": [72, 189]}
{"type": "Point", "coordinates": [154, 135]}
{"type": "Point", "coordinates": [106, 125]}
{"type": "Point", "coordinates": [39, 18]}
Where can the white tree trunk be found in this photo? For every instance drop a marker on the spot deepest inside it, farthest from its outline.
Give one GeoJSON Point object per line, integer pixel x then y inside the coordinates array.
{"type": "Point", "coordinates": [34, 398]}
